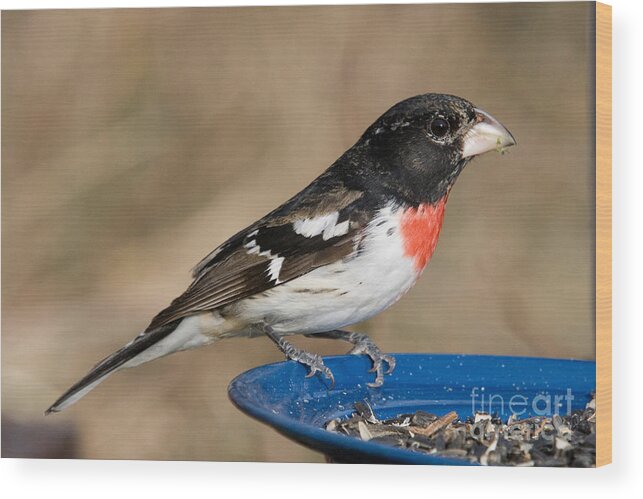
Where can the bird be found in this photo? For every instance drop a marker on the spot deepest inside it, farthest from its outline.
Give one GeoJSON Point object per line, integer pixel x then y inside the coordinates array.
{"type": "Point", "coordinates": [343, 249]}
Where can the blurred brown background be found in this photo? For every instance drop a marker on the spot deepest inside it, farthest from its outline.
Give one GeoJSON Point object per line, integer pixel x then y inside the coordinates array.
{"type": "Point", "coordinates": [135, 141]}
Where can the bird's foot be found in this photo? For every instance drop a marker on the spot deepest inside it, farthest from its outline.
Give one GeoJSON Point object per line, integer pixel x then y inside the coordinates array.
{"type": "Point", "coordinates": [313, 361]}
{"type": "Point", "coordinates": [364, 345]}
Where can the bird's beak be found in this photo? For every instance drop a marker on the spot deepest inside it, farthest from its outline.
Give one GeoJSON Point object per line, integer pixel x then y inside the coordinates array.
{"type": "Point", "coordinates": [486, 135]}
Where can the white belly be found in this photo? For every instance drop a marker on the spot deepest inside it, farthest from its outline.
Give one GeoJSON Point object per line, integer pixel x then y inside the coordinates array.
{"type": "Point", "coordinates": [340, 294]}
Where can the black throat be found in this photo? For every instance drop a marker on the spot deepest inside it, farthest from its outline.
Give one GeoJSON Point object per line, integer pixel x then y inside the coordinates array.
{"type": "Point", "coordinates": [410, 175]}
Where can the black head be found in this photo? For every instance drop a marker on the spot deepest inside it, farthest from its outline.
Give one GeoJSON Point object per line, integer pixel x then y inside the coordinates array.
{"type": "Point", "coordinates": [419, 146]}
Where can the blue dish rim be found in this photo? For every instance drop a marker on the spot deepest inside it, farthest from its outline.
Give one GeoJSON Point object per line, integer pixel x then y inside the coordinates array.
{"type": "Point", "coordinates": [318, 439]}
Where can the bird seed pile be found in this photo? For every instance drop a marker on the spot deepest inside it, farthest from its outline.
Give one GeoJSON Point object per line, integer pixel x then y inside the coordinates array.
{"type": "Point", "coordinates": [484, 439]}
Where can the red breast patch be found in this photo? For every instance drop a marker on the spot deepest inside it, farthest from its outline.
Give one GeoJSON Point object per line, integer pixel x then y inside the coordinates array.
{"type": "Point", "coordinates": [420, 229]}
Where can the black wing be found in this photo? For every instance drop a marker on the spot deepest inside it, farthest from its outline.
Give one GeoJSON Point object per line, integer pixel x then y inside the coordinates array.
{"type": "Point", "coordinates": [300, 236]}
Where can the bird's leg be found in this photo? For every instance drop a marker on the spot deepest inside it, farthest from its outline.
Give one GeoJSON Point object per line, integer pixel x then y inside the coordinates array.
{"type": "Point", "coordinates": [312, 360]}
{"type": "Point", "coordinates": [363, 345]}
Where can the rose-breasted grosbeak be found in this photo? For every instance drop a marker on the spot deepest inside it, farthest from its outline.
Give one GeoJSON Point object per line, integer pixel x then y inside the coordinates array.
{"type": "Point", "coordinates": [342, 250]}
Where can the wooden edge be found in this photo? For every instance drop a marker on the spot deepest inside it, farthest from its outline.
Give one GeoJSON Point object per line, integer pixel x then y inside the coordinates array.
{"type": "Point", "coordinates": [603, 234]}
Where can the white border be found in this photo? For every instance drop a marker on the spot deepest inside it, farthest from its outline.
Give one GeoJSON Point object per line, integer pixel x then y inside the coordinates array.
{"type": "Point", "coordinates": [105, 479]}
{"type": "Point", "coordinates": [77, 4]}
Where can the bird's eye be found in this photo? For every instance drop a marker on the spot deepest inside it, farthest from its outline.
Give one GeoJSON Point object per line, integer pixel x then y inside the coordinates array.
{"type": "Point", "coordinates": [439, 127]}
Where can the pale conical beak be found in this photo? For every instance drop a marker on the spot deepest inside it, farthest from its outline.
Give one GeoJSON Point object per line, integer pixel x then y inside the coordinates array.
{"type": "Point", "coordinates": [486, 135]}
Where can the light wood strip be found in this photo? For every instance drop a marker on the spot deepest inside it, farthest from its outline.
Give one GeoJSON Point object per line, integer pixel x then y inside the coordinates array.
{"type": "Point", "coordinates": [603, 234]}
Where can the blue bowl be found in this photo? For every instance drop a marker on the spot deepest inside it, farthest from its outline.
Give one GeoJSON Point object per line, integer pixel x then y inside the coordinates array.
{"type": "Point", "coordinates": [298, 407]}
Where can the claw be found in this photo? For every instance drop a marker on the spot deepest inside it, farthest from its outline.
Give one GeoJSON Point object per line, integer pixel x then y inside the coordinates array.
{"type": "Point", "coordinates": [365, 345]}
{"type": "Point", "coordinates": [378, 368]}
{"type": "Point", "coordinates": [390, 360]}
{"type": "Point", "coordinates": [376, 384]}
{"type": "Point", "coordinates": [329, 375]}
{"type": "Point", "coordinates": [379, 379]}
{"type": "Point", "coordinates": [316, 365]}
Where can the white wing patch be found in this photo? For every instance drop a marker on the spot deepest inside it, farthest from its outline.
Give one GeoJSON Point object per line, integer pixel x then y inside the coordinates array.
{"type": "Point", "coordinates": [325, 225]}
{"type": "Point", "coordinates": [275, 268]}
{"type": "Point", "coordinates": [276, 261]}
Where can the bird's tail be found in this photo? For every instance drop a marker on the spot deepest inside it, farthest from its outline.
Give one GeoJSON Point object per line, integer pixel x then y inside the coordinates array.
{"type": "Point", "coordinates": [125, 357]}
